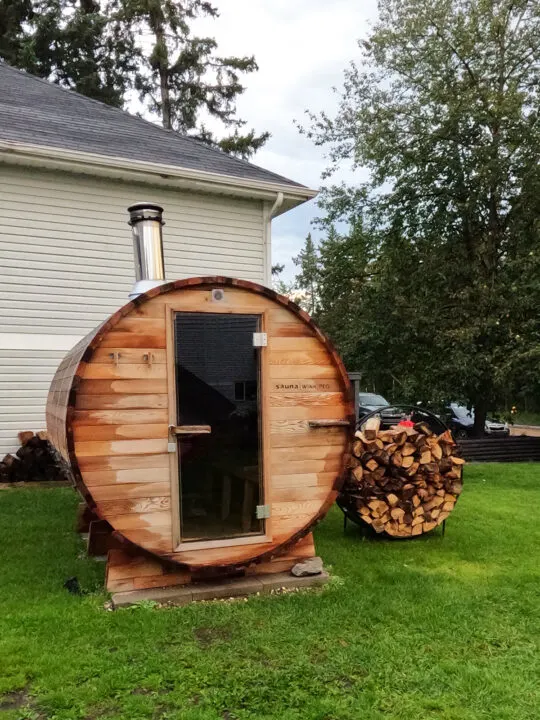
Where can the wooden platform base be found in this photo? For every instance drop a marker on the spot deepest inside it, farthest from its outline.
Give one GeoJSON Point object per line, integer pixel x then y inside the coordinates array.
{"type": "Point", "coordinates": [226, 588]}
{"type": "Point", "coordinates": [136, 577]}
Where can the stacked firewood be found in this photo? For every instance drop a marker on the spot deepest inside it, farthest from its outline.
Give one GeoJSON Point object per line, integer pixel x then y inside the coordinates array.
{"type": "Point", "coordinates": [402, 481]}
{"type": "Point", "coordinates": [35, 461]}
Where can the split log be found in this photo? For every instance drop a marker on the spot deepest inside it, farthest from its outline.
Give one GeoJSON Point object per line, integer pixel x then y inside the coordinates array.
{"type": "Point", "coordinates": [371, 428]}
{"type": "Point", "coordinates": [25, 436]}
{"type": "Point", "coordinates": [404, 481]}
{"type": "Point", "coordinates": [358, 448]}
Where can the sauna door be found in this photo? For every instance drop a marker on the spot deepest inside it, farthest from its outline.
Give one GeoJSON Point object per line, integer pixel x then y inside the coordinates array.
{"type": "Point", "coordinates": [218, 425]}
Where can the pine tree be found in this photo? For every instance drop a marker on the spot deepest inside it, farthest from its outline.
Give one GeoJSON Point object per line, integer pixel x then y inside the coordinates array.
{"type": "Point", "coordinates": [183, 76]}
{"type": "Point", "coordinates": [78, 44]}
{"type": "Point", "coordinates": [308, 277]}
{"type": "Point", "coordinates": [283, 287]}
{"type": "Point", "coordinates": [343, 276]}
{"type": "Point", "coordinates": [14, 14]}
{"type": "Point", "coordinates": [101, 50]}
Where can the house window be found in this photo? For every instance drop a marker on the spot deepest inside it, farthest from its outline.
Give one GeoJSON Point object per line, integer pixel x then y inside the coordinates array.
{"type": "Point", "coordinates": [245, 390]}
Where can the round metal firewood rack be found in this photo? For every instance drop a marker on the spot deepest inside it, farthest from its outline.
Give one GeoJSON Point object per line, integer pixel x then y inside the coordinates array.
{"type": "Point", "coordinates": [394, 414]}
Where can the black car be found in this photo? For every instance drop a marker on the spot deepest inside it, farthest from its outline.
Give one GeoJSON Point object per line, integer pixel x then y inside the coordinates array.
{"type": "Point", "coordinates": [460, 420]}
{"type": "Point", "coordinates": [368, 402]}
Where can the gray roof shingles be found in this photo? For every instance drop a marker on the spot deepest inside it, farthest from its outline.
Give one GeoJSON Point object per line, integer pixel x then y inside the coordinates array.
{"type": "Point", "coordinates": [37, 112]}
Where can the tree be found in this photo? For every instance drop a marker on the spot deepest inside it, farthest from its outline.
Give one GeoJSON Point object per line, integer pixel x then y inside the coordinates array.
{"type": "Point", "coordinates": [443, 109]}
{"type": "Point", "coordinates": [78, 44]}
{"type": "Point", "coordinates": [183, 76]}
{"type": "Point", "coordinates": [13, 15]}
{"type": "Point", "coordinates": [103, 49]}
{"type": "Point", "coordinates": [343, 270]}
{"type": "Point", "coordinates": [308, 277]}
{"type": "Point", "coordinates": [282, 286]}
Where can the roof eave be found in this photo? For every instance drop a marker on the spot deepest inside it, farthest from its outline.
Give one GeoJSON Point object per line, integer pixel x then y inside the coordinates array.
{"type": "Point", "coordinates": [140, 171]}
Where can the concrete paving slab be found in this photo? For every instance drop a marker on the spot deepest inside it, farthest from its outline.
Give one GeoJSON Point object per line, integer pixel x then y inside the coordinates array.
{"type": "Point", "coordinates": [227, 588]}
{"type": "Point", "coordinates": [290, 582]}
{"type": "Point", "coordinates": [176, 595]}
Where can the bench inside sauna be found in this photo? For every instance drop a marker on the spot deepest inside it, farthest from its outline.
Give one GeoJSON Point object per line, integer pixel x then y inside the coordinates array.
{"type": "Point", "coordinates": [206, 424]}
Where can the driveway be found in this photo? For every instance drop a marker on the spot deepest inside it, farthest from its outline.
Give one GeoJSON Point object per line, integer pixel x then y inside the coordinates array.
{"type": "Point", "coordinates": [532, 430]}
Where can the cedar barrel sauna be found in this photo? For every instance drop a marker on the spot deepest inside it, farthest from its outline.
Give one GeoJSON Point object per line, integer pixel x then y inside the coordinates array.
{"type": "Point", "coordinates": [206, 424]}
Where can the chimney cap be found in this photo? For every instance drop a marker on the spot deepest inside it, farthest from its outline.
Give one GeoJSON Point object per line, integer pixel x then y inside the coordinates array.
{"type": "Point", "coordinates": [145, 211]}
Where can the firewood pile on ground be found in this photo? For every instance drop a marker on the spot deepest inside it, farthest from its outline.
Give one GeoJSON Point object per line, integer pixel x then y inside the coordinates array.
{"type": "Point", "coordinates": [403, 481]}
{"type": "Point", "coordinates": [35, 461]}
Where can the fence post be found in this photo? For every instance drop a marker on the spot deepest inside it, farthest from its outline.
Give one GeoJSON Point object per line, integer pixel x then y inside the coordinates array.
{"type": "Point", "coordinates": [355, 378]}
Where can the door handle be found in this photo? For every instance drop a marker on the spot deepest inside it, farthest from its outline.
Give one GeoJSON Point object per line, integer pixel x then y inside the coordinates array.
{"type": "Point", "coordinates": [329, 423]}
{"type": "Point", "coordinates": [190, 429]}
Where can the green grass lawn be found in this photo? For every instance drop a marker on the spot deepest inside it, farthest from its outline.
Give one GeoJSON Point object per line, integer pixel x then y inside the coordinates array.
{"type": "Point", "coordinates": [424, 628]}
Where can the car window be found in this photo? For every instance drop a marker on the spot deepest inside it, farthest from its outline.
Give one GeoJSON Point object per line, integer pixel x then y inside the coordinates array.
{"type": "Point", "coordinates": [371, 399]}
{"type": "Point", "coordinates": [461, 412]}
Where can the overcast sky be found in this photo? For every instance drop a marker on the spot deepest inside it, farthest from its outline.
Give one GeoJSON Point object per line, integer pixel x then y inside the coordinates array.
{"type": "Point", "coordinates": [302, 48]}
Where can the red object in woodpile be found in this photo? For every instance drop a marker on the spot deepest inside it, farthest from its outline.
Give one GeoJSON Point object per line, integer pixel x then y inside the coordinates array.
{"type": "Point", "coordinates": [403, 481]}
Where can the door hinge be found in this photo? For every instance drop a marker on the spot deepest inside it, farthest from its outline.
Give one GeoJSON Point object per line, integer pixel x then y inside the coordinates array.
{"type": "Point", "coordinates": [260, 339]}
{"type": "Point", "coordinates": [171, 447]}
{"type": "Point", "coordinates": [262, 512]}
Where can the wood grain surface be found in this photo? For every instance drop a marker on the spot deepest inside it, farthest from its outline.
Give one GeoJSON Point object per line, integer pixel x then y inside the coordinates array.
{"type": "Point", "coordinates": [109, 412]}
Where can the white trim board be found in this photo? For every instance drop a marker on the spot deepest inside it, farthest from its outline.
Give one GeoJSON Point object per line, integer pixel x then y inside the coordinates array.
{"type": "Point", "coordinates": [37, 341]}
{"type": "Point", "coordinates": [62, 159]}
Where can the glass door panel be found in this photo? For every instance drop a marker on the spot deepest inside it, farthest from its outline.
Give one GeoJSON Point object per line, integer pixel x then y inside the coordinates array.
{"type": "Point", "coordinates": [218, 385]}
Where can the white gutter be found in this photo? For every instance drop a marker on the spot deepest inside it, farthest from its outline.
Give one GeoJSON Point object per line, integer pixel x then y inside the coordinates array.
{"type": "Point", "coordinates": [153, 173]}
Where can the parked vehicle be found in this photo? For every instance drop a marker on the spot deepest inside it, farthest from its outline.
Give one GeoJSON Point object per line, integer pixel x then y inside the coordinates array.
{"type": "Point", "coordinates": [368, 402]}
{"type": "Point", "coordinates": [460, 420]}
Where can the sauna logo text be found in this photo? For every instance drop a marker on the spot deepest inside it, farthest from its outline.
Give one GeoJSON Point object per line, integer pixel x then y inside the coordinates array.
{"type": "Point", "coordinates": [319, 387]}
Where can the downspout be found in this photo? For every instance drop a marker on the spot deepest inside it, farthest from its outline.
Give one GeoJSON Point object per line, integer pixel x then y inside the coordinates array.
{"type": "Point", "coordinates": [278, 202]}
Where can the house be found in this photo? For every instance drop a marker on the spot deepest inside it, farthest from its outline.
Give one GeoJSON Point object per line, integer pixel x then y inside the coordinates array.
{"type": "Point", "coordinates": [69, 168]}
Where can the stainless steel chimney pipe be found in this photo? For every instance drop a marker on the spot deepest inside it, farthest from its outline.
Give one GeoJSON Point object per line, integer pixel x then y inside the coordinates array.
{"type": "Point", "coordinates": [146, 222]}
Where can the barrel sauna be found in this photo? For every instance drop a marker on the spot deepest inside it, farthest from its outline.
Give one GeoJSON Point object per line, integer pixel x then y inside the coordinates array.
{"type": "Point", "coordinates": [207, 422]}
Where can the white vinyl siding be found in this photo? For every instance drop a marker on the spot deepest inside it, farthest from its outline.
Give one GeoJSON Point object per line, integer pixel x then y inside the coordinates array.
{"type": "Point", "coordinates": [25, 376]}
{"type": "Point", "coordinates": [66, 260]}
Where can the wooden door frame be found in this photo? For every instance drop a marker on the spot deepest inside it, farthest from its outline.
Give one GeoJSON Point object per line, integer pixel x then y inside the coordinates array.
{"type": "Point", "coordinates": [174, 457]}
